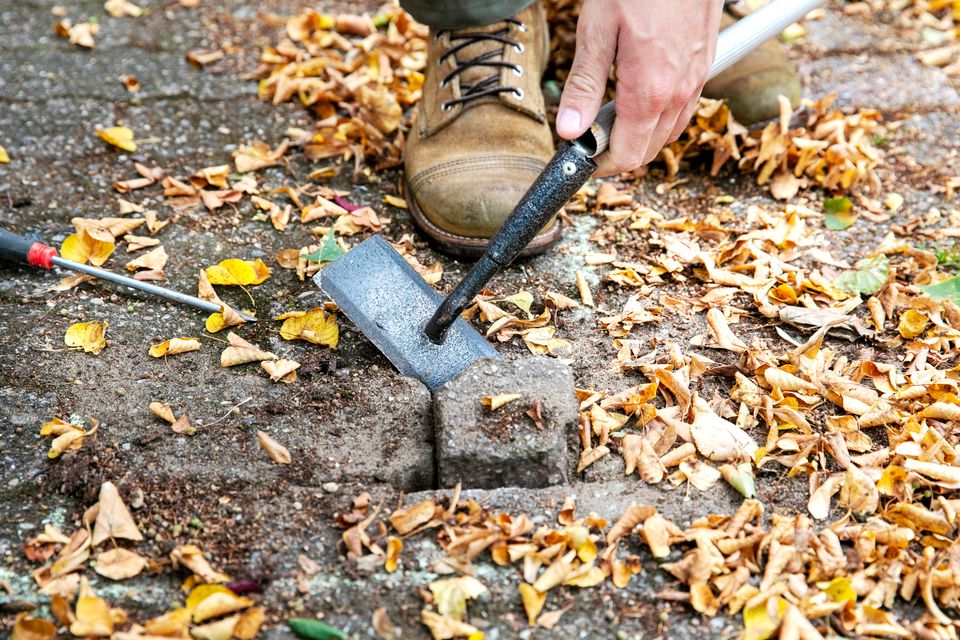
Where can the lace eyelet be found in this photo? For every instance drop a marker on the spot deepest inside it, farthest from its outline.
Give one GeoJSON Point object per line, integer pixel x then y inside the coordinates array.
{"type": "Point", "coordinates": [519, 93]}
{"type": "Point", "coordinates": [521, 27]}
{"type": "Point", "coordinates": [444, 84]}
{"type": "Point", "coordinates": [518, 47]}
{"type": "Point", "coordinates": [446, 106]}
{"type": "Point", "coordinates": [518, 71]}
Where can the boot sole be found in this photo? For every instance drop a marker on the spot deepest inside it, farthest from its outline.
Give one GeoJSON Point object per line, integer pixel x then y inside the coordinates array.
{"type": "Point", "coordinates": [469, 247]}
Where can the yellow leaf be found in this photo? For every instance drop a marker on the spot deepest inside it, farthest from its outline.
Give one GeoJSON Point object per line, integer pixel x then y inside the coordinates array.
{"type": "Point", "coordinates": [758, 623]}
{"type": "Point", "coordinates": [217, 630]}
{"type": "Point", "coordinates": [88, 336]}
{"type": "Point", "coordinates": [316, 326]}
{"type": "Point", "coordinates": [841, 590]}
{"type": "Point", "coordinates": [173, 623]}
{"type": "Point", "coordinates": [29, 628]}
{"type": "Point", "coordinates": [912, 323]}
{"type": "Point", "coordinates": [190, 556]}
{"type": "Point", "coordinates": [241, 352]}
{"type": "Point", "coordinates": [533, 602]}
{"type": "Point", "coordinates": [443, 628]}
{"type": "Point", "coordinates": [238, 272]}
{"type": "Point", "coordinates": [497, 401]}
{"type": "Point", "coordinates": [82, 247]}
{"type": "Point", "coordinates": [4, 158]}
{"type": "Point", "coordinates": [281, 370]}
{"type": "Point", "coordinates": [121, 137]}
{"type": "Point", "coordinates": [212, 601]}
{"type": "Point", "coordinates": [394, 547]}
{"type": "Point", "coordinates": [249, 624]}
{"type": "Point", "coordinates": [174, 346]}
{"type": "Point", "coordinates": [93, 614]}
{"type": "Point", "coordinates": [226, 318]}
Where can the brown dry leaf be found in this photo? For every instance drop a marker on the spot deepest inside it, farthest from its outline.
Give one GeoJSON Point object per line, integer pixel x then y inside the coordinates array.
{"type": "Point", "coordinates": [93, 617]}
{"type": "Point", "coordinates": [586, 297]}
{"type": "Point", "coordinates": [191, 557]}
{"type": "Point", "coordinates": [258, 155]}
{"type": "Point", "coordinates": [549, 619]}
{"type": "Point", "coordinates": [281, 370]}
{"type": "Point", "coordinates": [174, 346]}
{"type": "Point", "coordinates": [384, 626]}
{"type": "Point", "coordinates": [27, 627]}
{"type": "Point", "coordinates": [68, 436]}
{"type": "Point", "coordinates": [356, 221]}
{"type": "Point", "coordinates": [241, 352]}
{"type": "Point", "coordinates": [201, 58]}
{"type": "Point", "coordinates": [154, 260]}
{"type": "Point", "coordinates": [451, 594]}
{"type": "Point", "coordinates": [119, 564]}
{"type": "Point", "coordinates": [444, 628]}
{"type": "Point", "coordinates": [217, 630]}
{"type": "Point", "coordinates": [722, 333]}
{"type": "Point", "coordinates": [497, 401]}
{"type": "Point", "coordinates": [248, 626]}
{"type": "Point", "coordinates": [89, 336]}
{"type": "Point", "coordinates": [136, 243]}
{"type": "Point", "coordinates": [719, 439]}
{"type": "Point", "coordinates": [113, 518]}
{"type": "Point", "coordinates": [122, 8]}
{"type": "Point", "coordinates": [409, 519]}
{"type": "Point", "coordinates": [276, 451]}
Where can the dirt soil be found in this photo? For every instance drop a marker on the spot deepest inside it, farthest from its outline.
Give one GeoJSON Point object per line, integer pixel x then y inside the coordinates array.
{"type": "Point", "coordinates": [350, 422]}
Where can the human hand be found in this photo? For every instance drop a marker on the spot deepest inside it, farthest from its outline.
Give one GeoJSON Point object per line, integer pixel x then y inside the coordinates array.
{"type": "Point", "coordinates": [663, 53]}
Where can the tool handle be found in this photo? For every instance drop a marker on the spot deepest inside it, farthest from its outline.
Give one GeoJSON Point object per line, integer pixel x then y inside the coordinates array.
{"type": "Point", "coordinates": [14, 248]}
{"type": "Point", "coordinates": [734, 42]}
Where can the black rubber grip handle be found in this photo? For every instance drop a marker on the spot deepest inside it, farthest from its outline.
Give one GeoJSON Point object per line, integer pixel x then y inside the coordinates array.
{"type": "Point", "coordinates": [14, 248]}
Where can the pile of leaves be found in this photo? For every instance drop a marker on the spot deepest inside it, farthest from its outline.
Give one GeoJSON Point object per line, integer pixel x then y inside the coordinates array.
{"type": "Point", "coordinates": [211, 611]}
{"type": "Point", "coordinates": [936, 22]}
{"type": "Point", "coordinates": [356, 74]}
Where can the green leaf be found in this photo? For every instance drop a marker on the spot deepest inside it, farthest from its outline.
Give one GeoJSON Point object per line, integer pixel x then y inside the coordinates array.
{"type": "Point", "coordinates": [522, 300]}
{"type": "Point", "coordinates": [328, 252]}
{"type": "Point", "coordinates": [866, 277]}
{"type": "Point", "coordinates": [839, 214]}
{"type": "Point", "coordinates": [949, 289]}
{"type": "Point", "coordinates": [315, 630]}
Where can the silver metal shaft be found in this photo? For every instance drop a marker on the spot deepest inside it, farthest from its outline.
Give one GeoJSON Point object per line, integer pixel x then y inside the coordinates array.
{"type": "Point", "coordinates": [173, 296]}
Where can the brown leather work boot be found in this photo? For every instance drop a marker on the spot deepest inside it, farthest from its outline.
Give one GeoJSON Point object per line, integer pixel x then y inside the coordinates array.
{"type": "Point", "coordinates": [752, 85]}
{"type": "Point", "coordinates": [480, 136]}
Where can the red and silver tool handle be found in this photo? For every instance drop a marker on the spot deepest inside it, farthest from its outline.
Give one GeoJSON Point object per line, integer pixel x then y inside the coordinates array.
{"type": "Point", "coordinates": [733, 44]}
{"type": "Point", "coordinates": [14, 248]}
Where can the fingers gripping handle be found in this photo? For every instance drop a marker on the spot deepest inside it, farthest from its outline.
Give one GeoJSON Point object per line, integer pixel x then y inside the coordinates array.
{"type": "Point", "coordinates": [14, 248]}
{"type": "Point", "coordinates": [733, 44]}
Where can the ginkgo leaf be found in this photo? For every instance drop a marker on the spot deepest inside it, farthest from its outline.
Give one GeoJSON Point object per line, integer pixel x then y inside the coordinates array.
{"type": "Point", "coordinates": [226, 318]}
{"type": "Point", "coordinates": [451, 595]}
{"type": "Point", "coordinates": [120, 137]}
{"type": "Point", "coordinates": [241, 352]}
{"type": "Point", "coordinates": [174, 346]}
{"type": "Point", "coordinates": [113, 518]}
{"type": "Point", "coordinates": [497, 401]}
{"type": "Point", "coordinates": [93, 616]}
{"type": "Point", "coordinates": [154, 259]}
{"type": "Point", "coordinates": [276, 451]}
{"type": "Point", "coordinates": [191, 557]}
{"type": "Point", "coordinates": [316, 326]}
{"type": "Point", "coordinates": [281, 370]}
{"type": "Point", "coordinates": [83, 247]}
{"type": "Point", "coordinates": [119, 564]}
{"type": "Point", "coordinates": [89, 336]}
{"type": "Point", "coordinates": [238, 272]}
{"type": "Point", "coordinates": [867, 276]}
{"type": "Point", "coordinates": [533, 602]}
{"type": "Point", "coordinates": [208, 601]}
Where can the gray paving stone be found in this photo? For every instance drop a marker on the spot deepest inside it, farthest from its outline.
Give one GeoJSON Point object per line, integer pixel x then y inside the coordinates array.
{"type": "Point", "coordinates": [486, 449]}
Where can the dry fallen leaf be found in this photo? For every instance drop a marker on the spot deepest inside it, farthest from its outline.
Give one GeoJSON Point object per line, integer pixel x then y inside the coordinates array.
{"type": "Point", "coordinates": [88, 336]}
{"type": "Point", "coordinates": [122, 8]}
{"type": "Point", "coordinates": [93, 617]}
{"type": "Point", "coordinates": [277, 452]}
{"type": "Point", "coordinates": [316, 326]}
{"type": "Point", "coordinates": [113, 518]}
{"type": "Point", "coordinates": [174, 346]}
{"type": "Point", "coordinates": [84, 246]}
{"type": "Point", "coordinates": [281, 370]}
{"type": "Point", "coordinates": [238, 272]}
{"type": "Point", "coordinates": [191, 557]}
{"type": "Point", "coordinates": [241, 352]}
{"type": "Point", "coordinates": [497, 401]}
{"type": "Point", "coordinates": [120, 137]}
{"type": "Point", "coordinates": [119, 564]}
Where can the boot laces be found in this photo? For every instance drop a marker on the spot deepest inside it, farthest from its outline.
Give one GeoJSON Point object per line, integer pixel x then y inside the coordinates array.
{"type": "Point", "coordinates": [489, 86]}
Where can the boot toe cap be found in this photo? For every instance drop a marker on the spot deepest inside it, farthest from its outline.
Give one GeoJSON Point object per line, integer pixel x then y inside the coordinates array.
{"type": "Point", "coordinates": [472, 196]}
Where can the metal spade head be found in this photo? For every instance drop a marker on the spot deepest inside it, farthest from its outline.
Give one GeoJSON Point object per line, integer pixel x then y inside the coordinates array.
{"type": "Point", "coordinates": [391, 304]}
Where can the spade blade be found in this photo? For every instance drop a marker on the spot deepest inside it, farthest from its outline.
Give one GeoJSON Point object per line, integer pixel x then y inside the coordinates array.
{"type": "Point", "coordinates": [391, 304]}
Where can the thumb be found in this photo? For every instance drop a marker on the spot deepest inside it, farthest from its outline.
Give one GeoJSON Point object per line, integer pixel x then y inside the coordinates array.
{"type": "Point", "coordinates": [587, 83]}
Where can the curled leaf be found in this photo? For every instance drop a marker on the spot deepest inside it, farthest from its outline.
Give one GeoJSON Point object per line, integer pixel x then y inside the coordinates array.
{"type": "Point", "coordinates": [277, 452]}
{"type": "Point", "coordinates": [88, 336]}
{"type": "Point", "coordinates": [174, 346]}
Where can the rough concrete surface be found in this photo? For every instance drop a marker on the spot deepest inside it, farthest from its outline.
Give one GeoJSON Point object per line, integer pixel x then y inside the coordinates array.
{"type": "Point", "coordinates": [521, 444]}
{"type": "Point", "coordinates": [350, 422]}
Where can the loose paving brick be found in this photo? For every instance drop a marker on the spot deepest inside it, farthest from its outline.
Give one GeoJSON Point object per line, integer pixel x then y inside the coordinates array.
{"type": "Point", "coordinates": [484, 449]}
